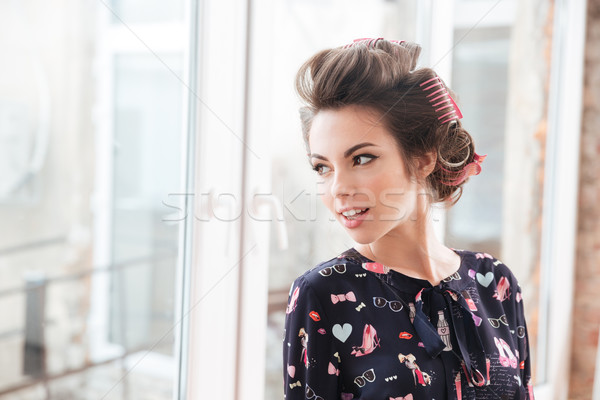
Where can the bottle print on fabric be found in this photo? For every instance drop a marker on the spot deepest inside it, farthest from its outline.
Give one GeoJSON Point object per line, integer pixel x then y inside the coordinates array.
{"type": "Point", "coordinates": [444, 330]}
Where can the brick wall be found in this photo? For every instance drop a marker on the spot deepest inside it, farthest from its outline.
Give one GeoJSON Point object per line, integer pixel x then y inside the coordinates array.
{"type": "Point", "coordinates": [586, 311]}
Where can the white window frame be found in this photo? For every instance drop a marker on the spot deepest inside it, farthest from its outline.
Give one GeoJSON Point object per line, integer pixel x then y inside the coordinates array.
{"type": "Point", "coordinates": [223, 268]}
{"type": "Point", "coordinates": [561, 189]}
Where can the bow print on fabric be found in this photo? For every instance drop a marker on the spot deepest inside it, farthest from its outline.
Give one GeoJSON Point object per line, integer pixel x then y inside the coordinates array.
{"type": "Point", "coordinates": [369, 342]}
{"type": "Point", "coordinates": [343, 297]}
{"type": "Point", "coordinates": [294, 384]}
{"type": "Point", "coordinates": [332, 370]}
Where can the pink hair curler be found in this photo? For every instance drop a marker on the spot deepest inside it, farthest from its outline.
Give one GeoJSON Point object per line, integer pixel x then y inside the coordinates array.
{"type": "Point", "coordinates": [473, 168]}
{"type": "Point", "coordinates": [441, 100]}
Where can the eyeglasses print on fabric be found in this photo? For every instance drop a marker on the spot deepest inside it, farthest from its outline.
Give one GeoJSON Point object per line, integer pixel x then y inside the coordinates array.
{"type": "Point", "coordinates": [454, 277]}
{"type": "Point", "coordinates": [380, 302]}
{"type": "Point", "coordinates": [521, 332]}
{"type": "Point", "coordinates": [367, 376]}
{"type": "Point", "coordinates": [339, 268]}
{"type": "Point", "coordinates": [495, 322]}
{"type": "Point", "coordinates": [311, 395]}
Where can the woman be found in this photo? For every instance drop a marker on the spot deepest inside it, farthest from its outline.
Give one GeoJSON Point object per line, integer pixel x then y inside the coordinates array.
{"type": "Point", "coordinates": [400, 315]}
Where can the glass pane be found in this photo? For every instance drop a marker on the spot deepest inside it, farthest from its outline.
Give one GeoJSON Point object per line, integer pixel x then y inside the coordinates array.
{"type": "Point", "coordinates": [90, 146]}
{"type": "Point", "coordinates": [148, 102]}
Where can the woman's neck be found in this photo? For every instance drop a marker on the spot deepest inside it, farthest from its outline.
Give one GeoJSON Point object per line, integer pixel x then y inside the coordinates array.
{"type": "Point", "coordinates": [414, 250]}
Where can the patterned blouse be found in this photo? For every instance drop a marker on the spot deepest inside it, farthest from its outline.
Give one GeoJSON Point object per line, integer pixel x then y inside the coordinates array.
{"type": "Point", "coordinates": [356, 329]}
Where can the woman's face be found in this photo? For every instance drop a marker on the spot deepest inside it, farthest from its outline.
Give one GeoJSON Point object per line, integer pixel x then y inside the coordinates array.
{"type": "Point", "coordinates": [365, 183]}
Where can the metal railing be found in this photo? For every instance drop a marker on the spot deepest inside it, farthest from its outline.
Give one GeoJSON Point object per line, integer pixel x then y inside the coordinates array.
{"type": "Point", "coordinates": [34, 289]}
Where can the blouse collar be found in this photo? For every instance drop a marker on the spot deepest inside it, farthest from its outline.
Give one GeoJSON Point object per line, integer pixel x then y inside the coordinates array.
{"type": "Point", "coordinates": [457, 281]}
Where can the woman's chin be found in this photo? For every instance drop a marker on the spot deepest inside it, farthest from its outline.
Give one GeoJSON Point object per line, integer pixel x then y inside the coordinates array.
{"type": "Point", "coordinates": [362, 238]}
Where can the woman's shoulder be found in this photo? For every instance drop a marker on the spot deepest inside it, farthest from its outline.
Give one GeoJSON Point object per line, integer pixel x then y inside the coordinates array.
{"type": "Point", "coordinates": [336, 272]}
{"type": "Point", "coordinates": [484, 267]}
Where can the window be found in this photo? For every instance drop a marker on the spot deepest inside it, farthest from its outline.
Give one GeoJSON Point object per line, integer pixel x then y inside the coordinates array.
{"type": "Point", "coordinates": [93, 129]}
{"type": "Point", "coordinates": [157, 203]}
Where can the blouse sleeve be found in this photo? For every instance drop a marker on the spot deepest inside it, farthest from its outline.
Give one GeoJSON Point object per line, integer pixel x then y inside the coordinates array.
{"type": "Point", "coordinates": [523, 343]}
{"type": "Point", "coordinates": [309, 360]}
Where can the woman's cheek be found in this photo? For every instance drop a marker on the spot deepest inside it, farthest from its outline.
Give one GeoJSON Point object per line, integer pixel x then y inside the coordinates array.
{"type": "Point", "coordinates": [324, 193]}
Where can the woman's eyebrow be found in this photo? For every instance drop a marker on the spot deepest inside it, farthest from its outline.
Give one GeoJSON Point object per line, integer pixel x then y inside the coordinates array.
{"type": "Point", "coordinates": [347, 153]}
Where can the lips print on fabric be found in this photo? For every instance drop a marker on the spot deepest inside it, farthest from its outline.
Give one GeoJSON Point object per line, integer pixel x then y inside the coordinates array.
{"type": "Point", "coordinates": [314, 316]}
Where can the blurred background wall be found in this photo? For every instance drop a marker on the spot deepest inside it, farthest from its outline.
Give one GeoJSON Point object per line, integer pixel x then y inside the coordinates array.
{"type": "Point", "coordinates": [586, 309]}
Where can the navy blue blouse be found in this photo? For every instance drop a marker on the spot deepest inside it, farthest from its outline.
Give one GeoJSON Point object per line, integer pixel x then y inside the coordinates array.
{"type": "Point", "coordinates": [356, 329]}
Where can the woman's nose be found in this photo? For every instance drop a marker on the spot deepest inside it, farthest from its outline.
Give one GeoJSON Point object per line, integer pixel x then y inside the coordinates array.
{"type": "Point", "coordinates": [342, 185]}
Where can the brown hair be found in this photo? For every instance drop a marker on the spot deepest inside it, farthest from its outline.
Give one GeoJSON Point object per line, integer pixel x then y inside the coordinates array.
{"type": "Point", "coordinates": [382, 77]}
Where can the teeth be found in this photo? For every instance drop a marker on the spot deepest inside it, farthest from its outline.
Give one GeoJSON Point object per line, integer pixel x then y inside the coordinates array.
{"type": "Point", "coordinates": [350, 213]}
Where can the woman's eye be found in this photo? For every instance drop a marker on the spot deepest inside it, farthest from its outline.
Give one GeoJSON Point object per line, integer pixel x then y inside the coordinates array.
{"type": "Point", "coordinates": [363, 159]}
{"type": "Point", "coordinates": [321, 169]}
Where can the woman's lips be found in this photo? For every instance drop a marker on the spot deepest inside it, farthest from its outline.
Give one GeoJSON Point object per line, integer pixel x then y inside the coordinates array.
{"type": "Point", "coordinates": [355, 220]}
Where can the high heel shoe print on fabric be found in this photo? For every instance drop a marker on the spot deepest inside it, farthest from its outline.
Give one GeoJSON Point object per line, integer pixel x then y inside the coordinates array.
{"type": "Point", "coordinates": [504, 349]}
{"type": "Point", "coordinates": [369, 343]}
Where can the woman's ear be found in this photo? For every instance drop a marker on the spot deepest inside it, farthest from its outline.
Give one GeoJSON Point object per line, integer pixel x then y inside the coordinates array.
{"type": "Point", "coordinates": [426, 164]}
